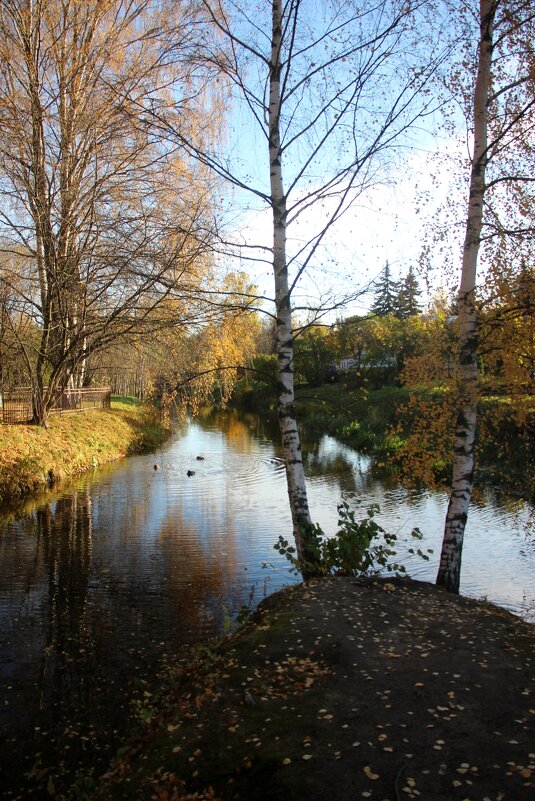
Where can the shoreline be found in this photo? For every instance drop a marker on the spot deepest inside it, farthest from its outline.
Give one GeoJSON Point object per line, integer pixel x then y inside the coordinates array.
{"type": "Point", "coordinates": [35, 461]}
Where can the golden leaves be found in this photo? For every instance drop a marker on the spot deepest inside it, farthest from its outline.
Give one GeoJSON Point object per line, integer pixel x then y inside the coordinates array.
{"type": "Point", "coordinates": [370, 774]}
{"type": "Point", "coordinates": [429, 418]}
{"type": "Point", "coordinates": [291, 675]}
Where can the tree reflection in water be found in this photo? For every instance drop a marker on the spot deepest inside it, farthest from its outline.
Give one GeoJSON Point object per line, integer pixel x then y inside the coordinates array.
{"type": "Point", "coordinates": [104, 586]}
{"type": "Point", "coordinates": [82, 639]}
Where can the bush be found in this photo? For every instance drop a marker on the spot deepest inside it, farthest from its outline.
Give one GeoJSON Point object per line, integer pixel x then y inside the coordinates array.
{"type": "Point", "coordinates": [359, 436]}
{"type": "Point", "coordinates": [352, 550]}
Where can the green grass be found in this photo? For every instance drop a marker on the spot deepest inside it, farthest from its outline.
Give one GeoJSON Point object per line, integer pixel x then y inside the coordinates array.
{"type": "Point", "coordinates": [374, 421]}
{"type": "Point", "coordinates": [125, 400]}
{"type": "Point", "coordinates": [34, 458]}
{"type": "Point", "coordinates": [361, 417]}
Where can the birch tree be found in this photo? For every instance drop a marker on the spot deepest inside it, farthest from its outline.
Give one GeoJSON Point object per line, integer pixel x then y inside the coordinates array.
{"type": "Point", "coordinates": [110, 222]}
{"type": "Point", "coordinates": [502, 108]}
{"type": "Point", "coordinates": [323, 94]}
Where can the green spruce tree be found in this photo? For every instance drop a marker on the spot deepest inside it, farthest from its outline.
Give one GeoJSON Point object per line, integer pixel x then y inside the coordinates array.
{"type": "Point", "coordinates": [386, 294]}
{"type": "Point", "coordinates": [407, 299]}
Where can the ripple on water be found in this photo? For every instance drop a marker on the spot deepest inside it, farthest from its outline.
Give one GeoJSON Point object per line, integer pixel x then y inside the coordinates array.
{"type": "Point", "coordinates": [98, 587]}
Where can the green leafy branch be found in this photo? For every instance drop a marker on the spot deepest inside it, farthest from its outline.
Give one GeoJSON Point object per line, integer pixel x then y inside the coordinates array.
{"type": "Point", "coordinates": [359, 547]}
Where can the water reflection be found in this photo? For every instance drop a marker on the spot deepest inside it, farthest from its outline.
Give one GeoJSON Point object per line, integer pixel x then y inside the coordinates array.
{"type": "Point", "coordinates": [108, 581]}
{"type": "Point", "coordinates": [48, 649]}
{"type": "Point", "coordinates": [499, 550]}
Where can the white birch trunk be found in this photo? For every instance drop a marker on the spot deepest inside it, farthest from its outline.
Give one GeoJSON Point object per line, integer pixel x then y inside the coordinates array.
{"type": "Point", "coordinates": [295, 475]}
{"type": "Point", "coordinates": [449, 571]}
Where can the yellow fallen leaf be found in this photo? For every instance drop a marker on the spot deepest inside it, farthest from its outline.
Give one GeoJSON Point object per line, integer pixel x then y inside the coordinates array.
{"type": "Point", "coordinates": [370, 774]}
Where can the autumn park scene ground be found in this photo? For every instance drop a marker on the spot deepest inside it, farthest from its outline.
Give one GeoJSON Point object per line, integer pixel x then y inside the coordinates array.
{"type": "Point", "coordinates": [347, 688]}
{"type": "Point", "coordinates": [267, 314]}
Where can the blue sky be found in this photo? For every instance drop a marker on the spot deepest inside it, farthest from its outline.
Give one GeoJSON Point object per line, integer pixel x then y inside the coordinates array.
{"type": "Point", "coordinates": [386, 222]}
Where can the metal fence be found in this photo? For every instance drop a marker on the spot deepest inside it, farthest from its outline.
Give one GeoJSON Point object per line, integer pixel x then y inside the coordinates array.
{"type": "Point", "coordinates": [16, 404]}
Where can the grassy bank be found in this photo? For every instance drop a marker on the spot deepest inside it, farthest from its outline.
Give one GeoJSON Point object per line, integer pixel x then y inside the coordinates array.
{"type": "Point", "coordinates": [33, 459]}
{"type": "Point", "coordinates": [363, 418]}
{"type": "Point", "coordinates": [409, 431]}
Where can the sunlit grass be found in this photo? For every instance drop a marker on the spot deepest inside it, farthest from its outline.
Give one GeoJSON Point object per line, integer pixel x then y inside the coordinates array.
{"type": "Point", "coordinates": [32, 458]}
{"type": "Point", "coordinates": [119, 401]}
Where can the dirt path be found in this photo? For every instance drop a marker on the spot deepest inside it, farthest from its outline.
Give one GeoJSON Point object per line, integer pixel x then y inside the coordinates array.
{"type": "Point", "coordinates": [349, 689]}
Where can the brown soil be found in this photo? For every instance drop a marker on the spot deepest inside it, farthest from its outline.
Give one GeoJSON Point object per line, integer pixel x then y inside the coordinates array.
{"type": "Point", "coordinates": [348, 689]}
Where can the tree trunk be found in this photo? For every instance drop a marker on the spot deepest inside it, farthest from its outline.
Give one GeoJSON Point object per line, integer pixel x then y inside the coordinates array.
{"type": "Point", "coordinates": [291, 444]}
{"type": "Point", "coordinates": [449, 571]}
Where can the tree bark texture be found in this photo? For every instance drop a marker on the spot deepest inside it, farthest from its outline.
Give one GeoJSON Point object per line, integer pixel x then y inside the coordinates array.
{"type": "Point", "coordinates": [449, 571]}
{"type": "Point", "coordinates": [293, 459]}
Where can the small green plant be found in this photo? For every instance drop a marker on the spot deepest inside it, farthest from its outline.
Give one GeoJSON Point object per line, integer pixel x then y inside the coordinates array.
{"type": "Point", "coordinates": [359, 547]}
{"type": "Point", "coordinates": [230, 624]}
{"type": "Point", "coordinates": [361, 438]}
{"type": "Point", "coordinates": [246, 609]}
{"type": "Point", "coordinates": [417, 534]}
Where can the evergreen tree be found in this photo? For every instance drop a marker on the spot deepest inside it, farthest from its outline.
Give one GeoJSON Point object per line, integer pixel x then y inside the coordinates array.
{"type": "Point", "coordinates": [386, 294]}
{"type": "Point", "coordinates": [407, 299]}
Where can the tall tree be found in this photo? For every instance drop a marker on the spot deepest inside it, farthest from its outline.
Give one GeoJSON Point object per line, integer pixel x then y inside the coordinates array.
{"type": "Point", "coordinates": [407, 301]}
{"type": "Point", "coordinates": [502, 108]}
{"type": "Point", "coordinates": [350, 339]}
{"type": "Point", "coordinates": [314, 353]}
{"type": "Point", "coordinates": [463, 464]}
{"type": "Point", "coordinates": [109, 221]}
{"type": "Point", "coordinates": [329, 100]}
{"type": "Point", "coordinates": [182, 365]}
{"type": "Point", "coordinates": [386, 294]}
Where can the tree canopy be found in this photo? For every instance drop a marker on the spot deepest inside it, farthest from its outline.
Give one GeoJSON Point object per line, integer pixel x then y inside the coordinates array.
{"type": "Point", "coordinates": [104, 222]}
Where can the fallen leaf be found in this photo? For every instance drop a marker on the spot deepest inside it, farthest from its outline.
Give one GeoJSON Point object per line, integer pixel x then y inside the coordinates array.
{"type": "Point", "coordinates": [370, 774]}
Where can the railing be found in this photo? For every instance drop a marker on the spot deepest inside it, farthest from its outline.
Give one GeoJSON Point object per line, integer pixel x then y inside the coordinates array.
{"type": "Point", "coordinates": [16, 404]}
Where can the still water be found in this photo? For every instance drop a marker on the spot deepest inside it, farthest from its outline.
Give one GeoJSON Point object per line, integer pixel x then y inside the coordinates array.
{"type": "Point", "coordinates": [110, 581]}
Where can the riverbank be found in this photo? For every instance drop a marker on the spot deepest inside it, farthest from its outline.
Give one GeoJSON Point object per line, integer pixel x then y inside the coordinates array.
{"type": "Point", "coordinates": [34, 459]}
{"type": "Point", "coordinates": [349, 689]}
{"type": "Point", "coordinates": [386, 423]}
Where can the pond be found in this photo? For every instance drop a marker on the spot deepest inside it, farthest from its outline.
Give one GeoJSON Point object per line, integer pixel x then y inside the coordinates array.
{"type": "Point", "coordinates": [111, 581]}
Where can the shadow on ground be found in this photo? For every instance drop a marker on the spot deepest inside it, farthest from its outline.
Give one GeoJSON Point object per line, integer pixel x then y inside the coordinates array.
{"type": "Point", "coordinates": [347, 689]}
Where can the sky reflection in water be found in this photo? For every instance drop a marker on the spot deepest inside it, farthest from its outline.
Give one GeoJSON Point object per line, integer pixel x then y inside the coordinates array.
{"type": "Point", "coordinates": [101, 586]}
